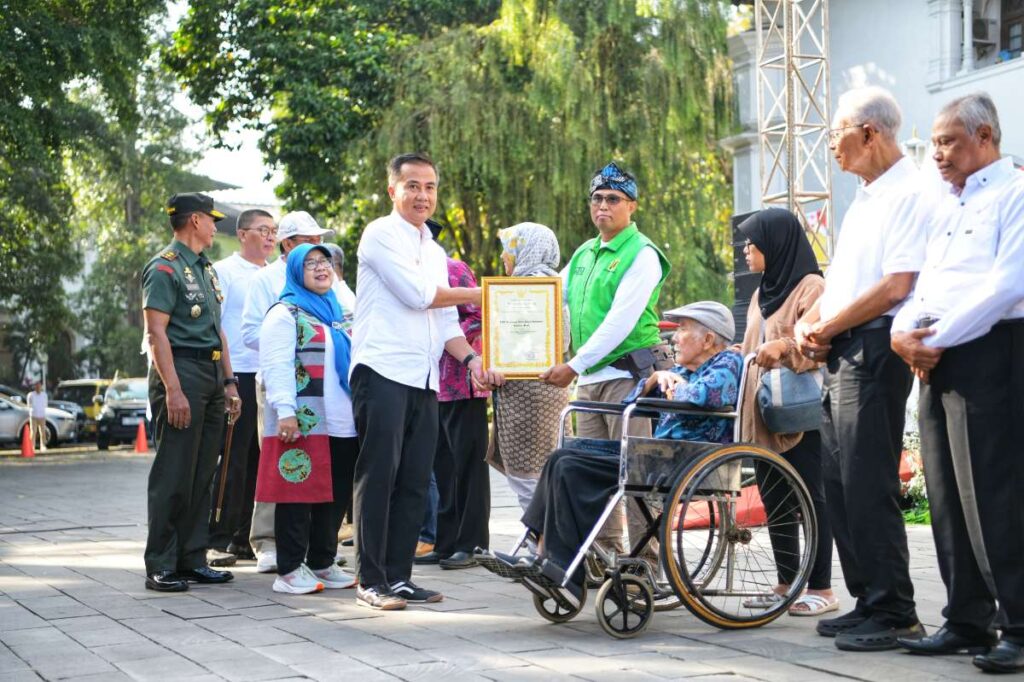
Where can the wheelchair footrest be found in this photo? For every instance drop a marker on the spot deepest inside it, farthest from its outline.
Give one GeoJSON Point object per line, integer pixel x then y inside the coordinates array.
{"type": "Point", "coordinates": [499, 567]}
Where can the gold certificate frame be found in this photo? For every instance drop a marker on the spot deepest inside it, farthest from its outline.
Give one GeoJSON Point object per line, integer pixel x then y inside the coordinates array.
{"type": "Point", "coordinates": [522, 325]}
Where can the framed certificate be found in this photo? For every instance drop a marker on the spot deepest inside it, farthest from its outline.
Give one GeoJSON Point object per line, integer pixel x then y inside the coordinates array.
{"type": "Point", "coordinates": [522, 325]}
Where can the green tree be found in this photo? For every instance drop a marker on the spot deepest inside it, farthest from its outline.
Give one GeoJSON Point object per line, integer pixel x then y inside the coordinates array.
{"type": "Point", "coordinates": [519, 113]}
{"type": "Point", "coordinates": [312, 76]}
{"type": "Point", "coordinates": [49, 45]}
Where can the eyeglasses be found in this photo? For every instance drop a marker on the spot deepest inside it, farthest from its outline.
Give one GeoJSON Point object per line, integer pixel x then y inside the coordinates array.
{"type": "Point", "coordinates": [835, 133]}
{"type": "Point", "coordinates": [611, 199]}
{"type": "Point", "coordinates": [317, 263]}
{"type": "Point", "coordinates": [262, 231]}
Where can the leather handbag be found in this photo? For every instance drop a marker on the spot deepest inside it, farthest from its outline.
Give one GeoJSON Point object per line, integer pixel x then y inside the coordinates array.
{"type": "Point", "coordinates": [790, 402]}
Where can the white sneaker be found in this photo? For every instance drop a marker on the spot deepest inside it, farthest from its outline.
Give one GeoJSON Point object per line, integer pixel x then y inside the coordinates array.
{"type": "Point", "coordinates": [266, 562]}
{"type": "Point", "coordinates": [299, 581]}
{"type": "Point", "coordinates": [334, 578]}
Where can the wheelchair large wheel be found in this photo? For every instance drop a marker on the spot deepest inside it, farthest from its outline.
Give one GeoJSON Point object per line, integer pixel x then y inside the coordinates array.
{"type": "Point", "coordinates": [738, 521]}
{"type": "Point", "coordinates": [625, 605]}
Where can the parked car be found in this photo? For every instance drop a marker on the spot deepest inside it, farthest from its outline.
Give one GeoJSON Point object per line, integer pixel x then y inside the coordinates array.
{"type": "Point", "coordinates": [88, 395]}
{"type": "Point", "coordinates": [54, 401]}
{"type": "Point", "coordinates": [124, 408]}
{"type": "Point", "coordinates": [61, 426]}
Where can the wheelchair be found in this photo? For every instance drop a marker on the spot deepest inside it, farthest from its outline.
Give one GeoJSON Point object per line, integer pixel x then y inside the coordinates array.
{"type": "Point", "coordinates": [714, 510]}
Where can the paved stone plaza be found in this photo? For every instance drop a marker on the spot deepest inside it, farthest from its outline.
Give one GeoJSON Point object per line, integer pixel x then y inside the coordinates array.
{"type": "Point", "coordinates": [72, 605]}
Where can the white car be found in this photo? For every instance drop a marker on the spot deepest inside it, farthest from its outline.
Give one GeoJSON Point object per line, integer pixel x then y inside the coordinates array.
{"type": "Point", "coordinates": [61, 426]}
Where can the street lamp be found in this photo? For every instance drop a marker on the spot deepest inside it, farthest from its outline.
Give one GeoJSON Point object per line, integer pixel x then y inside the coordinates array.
{"type": "Point", "coordinates": [915, 148]}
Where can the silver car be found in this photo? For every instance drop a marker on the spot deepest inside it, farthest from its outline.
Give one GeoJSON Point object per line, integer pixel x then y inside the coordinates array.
{"type": "Point", "coordinates": [61, 426]}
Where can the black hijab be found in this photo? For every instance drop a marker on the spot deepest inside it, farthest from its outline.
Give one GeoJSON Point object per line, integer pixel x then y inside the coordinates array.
{"type": "Point", "coordinates": [788, 256]}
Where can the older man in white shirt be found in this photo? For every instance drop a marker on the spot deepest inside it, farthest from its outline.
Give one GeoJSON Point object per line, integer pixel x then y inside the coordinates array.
{"type": "Point", "coordinates": [229, 536]}
{"type": "Point", "coordinates": [405, 319]}
{"type": "Point", "coordinates": [297, 227]}
{"type": "Point", "coordinates": [879, 252]}
{"type": "Point", "coordinates": [963, 333]}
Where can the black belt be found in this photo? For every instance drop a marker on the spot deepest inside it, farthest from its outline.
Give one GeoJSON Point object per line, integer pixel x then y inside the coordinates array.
{"type": "Point", "coordinates": [211, 354]}
{"type": "Point", "coordinates": [883, 322]}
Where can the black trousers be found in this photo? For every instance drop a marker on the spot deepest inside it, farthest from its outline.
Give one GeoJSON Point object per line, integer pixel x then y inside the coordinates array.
{"type": "Point", "coordinates": [397, 426]}
{"type": "Point", "coordinates": [781, 508]}
{"type": "Point", "coordinates": [573, 489]}
{"type": "Point", "coordinates": [244, 462]}
{"type": "Point", "coordinates": [972, 431]}
{"type": "Point", "coordinates": [866, 389]}
{"type": "Point", "coordinates": [179, 482]}
{"type": "Point", "coordinates": [308, 533]}
{"type": "Point", "coordinates": [463, 479]}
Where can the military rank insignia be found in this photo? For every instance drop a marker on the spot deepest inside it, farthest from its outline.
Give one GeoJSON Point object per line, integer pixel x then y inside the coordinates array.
{"type": "Point", "coordinates": [169, 255]}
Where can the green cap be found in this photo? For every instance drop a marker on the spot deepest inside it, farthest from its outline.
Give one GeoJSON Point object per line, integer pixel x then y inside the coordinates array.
{"type": "Point", "coordinates": [193, 202]}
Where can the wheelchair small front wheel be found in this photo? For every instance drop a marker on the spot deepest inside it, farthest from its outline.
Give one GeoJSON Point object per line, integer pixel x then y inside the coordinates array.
{"type": "Point", "coordinates": [625, 605]}
{"type": "Point", "coordinates": [556, 610]}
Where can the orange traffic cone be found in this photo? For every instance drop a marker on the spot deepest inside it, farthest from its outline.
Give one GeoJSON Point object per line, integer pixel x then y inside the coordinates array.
{"type": "Point", "coordinates": [27, 450]}
{"type": "Point", "coordinates": [141, 444]}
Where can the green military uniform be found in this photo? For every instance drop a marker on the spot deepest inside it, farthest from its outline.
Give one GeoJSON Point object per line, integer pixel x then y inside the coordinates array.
{"type": "Point", "coordinates": [182, 284]}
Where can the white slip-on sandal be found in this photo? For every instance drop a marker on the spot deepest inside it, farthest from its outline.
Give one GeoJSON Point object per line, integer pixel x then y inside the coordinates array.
{"type": "Point", "coordinates": [815, 605]}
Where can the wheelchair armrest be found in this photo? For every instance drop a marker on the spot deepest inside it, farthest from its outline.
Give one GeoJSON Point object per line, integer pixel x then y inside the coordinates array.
{"type": "Point", "coordinates": [594, 406]}
{"type": "Point", "coordinates": [662, 405]}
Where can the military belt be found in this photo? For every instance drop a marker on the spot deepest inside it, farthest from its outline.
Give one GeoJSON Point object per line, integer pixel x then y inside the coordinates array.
{"type": "Point", "coordinates": [211, 354]}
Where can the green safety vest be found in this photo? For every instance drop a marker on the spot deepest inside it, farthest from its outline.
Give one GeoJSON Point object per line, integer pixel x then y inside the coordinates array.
{"type": "Point", "coordinates": [595, 271]}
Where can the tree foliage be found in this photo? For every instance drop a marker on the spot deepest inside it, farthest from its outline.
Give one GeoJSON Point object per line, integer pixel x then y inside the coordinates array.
{"type": "Point", "coordinates": [313, 76]}
{"type": "Point", "coordinates": [520, 113]}
{"type": "Point", "coordinates": [49, 45]}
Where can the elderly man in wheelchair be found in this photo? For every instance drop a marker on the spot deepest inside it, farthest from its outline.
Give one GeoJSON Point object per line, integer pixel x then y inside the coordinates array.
{"type": "Point", "coordinates": [698, 494]}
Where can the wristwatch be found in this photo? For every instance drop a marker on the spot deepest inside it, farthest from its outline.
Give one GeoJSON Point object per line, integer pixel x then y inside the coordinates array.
{"type": "Point", "coordinates": [230, 380]}
{"type": "Point", "coordinates": [468, 359]}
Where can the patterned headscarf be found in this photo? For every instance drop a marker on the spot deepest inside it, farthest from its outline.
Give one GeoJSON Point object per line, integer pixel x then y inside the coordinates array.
{"type": "Point", "coordinates": [534, 250]}
{"type": "Point", "coordinates": [613, 177]}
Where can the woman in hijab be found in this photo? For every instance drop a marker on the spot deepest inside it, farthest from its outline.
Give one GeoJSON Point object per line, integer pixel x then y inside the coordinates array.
{"type": "Point", "coordinates": [526, 412]}
{"type": "Point", "coordinates": [309, 450]}
{"type": "Point", "coordinates": [791, 282]}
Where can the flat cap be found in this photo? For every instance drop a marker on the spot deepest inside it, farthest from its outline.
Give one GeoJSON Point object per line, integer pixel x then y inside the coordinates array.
{"type": "Point", "coordinates": [712, 314]}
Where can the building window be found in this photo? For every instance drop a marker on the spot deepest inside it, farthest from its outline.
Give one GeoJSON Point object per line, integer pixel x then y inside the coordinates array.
{"type": "Point", "coordinates": [1012, 20]}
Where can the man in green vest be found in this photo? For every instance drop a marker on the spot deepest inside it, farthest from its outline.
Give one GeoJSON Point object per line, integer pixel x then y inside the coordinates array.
{"type": "Point", "coordinates": [612, 286]}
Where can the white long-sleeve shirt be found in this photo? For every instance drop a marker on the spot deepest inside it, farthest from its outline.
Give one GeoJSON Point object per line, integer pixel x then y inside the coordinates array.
{"type": "Point", "coordinates": [630, 301]}
{"type": "Point", "coordinates": [235, 274]}
{"type": "Point", "coordinates": [277, 370]}
{"type": "Point", "coordinates": [973, 275]}
{"type": "Point", "coordinates": [883, 233]}
{"type": "Point", "coordinates": [264, 290]}
{"type": "Point", "coordinates": [396, 333]}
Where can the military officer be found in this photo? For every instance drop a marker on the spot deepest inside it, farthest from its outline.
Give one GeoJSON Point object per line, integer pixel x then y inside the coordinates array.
{"type": "Point", "coordinates": [190, 379]}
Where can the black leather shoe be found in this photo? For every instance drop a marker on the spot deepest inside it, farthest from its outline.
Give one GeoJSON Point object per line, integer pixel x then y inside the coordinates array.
{"type": "Point", "coordinates": [830, 627]}
{"type": "Point", "coordinates": [206, 576]}
{"type": "Point", "coordinates": [458, 560]}
{"type": "Point", "coordinates": [874, 635]}
{"type": "Point", "coordinates": [946, 642]}
{"type": "Point", "coordinates": [1005, 657]}
{"type": "Point", "coordinates": [428, 558]}
{"type": "Point", "coordinates": [165, 581]}
{"type": "Point", "coordinates": [243, 552]}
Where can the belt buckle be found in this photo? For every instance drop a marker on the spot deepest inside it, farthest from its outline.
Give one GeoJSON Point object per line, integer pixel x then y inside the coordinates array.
{"type": "Point", "coordinates": [215, 356]}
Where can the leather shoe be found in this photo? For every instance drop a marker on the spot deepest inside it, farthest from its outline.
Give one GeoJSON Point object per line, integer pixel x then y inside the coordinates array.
{"type": "Point", "coordinates": [243, 552]}
{"type": "Point", "coordinates": [1005, 657]}
{"type": "Point", "coordinates": [165, 581]}
{"type": "Point", "coordinates": [458, 560]}
{"type": "Point", "coordinates": [428, 558]}
{"type": "Point", "coordinates": [945, 641]}
{"type": "Point", "coordinates": [205, 575]}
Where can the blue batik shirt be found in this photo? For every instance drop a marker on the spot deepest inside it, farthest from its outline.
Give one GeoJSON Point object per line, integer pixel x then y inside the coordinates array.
{"type": "Point", "coordinates": [715, 384]}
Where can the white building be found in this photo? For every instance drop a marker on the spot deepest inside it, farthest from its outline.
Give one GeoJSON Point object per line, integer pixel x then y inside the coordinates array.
{"type": "Point", "coordinates": [915, 49]}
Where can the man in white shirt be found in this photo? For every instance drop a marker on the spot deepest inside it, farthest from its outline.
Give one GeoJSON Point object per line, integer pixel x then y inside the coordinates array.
{"type": "Point", "coordinates": [405, 318]}
{"type": "Point", "coordinates": [612, 284]}
{"type": "Point", "coordinates": [297, 227]}
{"type": "Point", "coordinates": [963, 334]}
{"type": "Point", "coordinates": [37, 402]}
{"type": "Point", "coordinates": [229, 537]}
{"type": "Point", "coordinates": [877, 257]}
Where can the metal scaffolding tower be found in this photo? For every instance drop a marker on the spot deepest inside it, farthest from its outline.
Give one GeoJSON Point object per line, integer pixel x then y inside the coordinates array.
{"type": "Point", "coordinates": [793, 112]}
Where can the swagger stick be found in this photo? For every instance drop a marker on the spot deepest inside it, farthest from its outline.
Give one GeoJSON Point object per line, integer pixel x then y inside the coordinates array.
{"type": "Point", "coordinates": [224, 460]}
